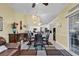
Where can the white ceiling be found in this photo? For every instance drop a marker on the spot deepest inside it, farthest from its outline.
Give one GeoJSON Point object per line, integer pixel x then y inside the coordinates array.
{"type": "Point", "coordinates": [46, 13]}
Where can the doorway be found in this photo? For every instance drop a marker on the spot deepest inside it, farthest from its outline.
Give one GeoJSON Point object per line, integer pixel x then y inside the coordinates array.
{"type": "Point", "coordinates": [54, 34]}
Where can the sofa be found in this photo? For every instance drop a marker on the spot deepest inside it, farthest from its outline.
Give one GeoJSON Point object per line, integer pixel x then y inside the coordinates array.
{"type": "Point", "coordinates": [9, 49]}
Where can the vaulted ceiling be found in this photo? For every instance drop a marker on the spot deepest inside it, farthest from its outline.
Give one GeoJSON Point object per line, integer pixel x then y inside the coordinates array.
{"type": "Point", "coordinates": [46, 13]}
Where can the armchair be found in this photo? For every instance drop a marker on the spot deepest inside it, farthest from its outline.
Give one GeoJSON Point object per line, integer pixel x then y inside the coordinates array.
{"type": "Point", "coordinates": [12, 49]}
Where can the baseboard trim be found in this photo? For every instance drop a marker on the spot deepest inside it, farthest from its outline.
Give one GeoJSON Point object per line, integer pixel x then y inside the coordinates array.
{"type": "Point", "coordinates": [63, 47]}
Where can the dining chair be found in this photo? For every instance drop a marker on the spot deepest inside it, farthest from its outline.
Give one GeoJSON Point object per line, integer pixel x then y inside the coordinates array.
{"type": "Point", "coordinates": [38, 41]}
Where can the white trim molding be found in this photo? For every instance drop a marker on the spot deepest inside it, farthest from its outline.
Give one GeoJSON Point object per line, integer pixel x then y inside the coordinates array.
{"type": "Point", "coordinates": [71, 13]}
{"type": "Point", "coordinates": [61, 46]}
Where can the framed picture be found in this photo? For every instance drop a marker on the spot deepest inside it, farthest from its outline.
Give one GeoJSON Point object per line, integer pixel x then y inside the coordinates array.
{"type": "Point", "coordinates": [20, 25]}
{"type": "Point", "coordinates": [1, 23]}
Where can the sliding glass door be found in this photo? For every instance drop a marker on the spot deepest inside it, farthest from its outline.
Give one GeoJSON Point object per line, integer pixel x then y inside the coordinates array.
{"type": "Point", "coordinates": [74, 33]}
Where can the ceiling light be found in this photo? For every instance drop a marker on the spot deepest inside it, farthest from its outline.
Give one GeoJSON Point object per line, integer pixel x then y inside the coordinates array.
{"type": "Point", "coordinates": [39, 24]}
{"type": "Point", "coordinates": [33, 17]}
{"type": "Point", "coordinates": [34, 22]}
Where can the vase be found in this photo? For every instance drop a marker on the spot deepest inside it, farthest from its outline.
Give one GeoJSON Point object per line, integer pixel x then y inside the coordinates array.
{"type": "Point", "coordinates": [14, 30]}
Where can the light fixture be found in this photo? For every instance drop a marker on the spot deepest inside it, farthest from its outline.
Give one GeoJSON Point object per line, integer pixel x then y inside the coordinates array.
{"type": "Point", "coordinates": [33, 16]}
{"type": "Point", "coordinates": [34, 22]}
{"type": "Point", "coordinates": [39, 24]}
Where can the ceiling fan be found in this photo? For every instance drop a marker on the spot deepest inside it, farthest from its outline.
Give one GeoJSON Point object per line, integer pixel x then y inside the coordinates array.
{"type": "Point", "coordinates": [34, 4]}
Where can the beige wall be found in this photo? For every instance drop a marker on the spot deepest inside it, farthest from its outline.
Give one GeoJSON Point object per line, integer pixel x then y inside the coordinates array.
{"type": "Point", "coordinates": [10, 16]}
{"type": "Point", "coordinates": [20, 17]}
{"type": "Point", "coordinates": [60, 22]}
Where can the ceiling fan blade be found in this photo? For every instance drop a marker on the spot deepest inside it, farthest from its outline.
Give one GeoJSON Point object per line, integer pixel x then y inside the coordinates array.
{"type": "Point", "coordinates": [45, 4]}
{"type": "Point", "coordinates": [33, 5]}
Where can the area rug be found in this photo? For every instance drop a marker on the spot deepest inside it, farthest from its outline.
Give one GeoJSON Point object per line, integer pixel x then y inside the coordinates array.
{"type": "Point", "coordinates": [53, 52]}
{"type": "Point", "coordinates": [41, 53]}
{"type": "Point", "coordinates": [30, 52]}
{"type": "Point", "coordinates": [57, 52]}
